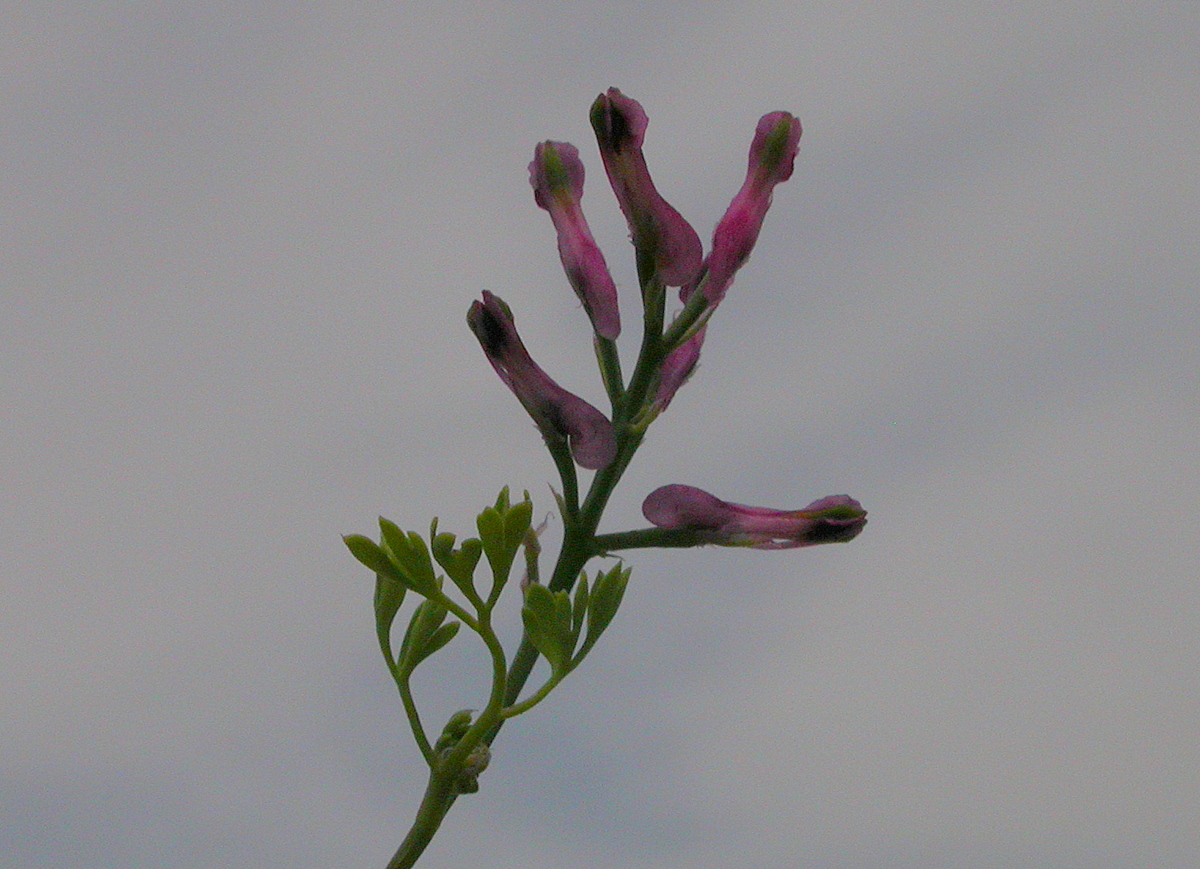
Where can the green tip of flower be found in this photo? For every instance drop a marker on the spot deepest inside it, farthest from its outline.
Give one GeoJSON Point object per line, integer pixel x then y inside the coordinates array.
{"type": "Point", "coordinates": [554, 171]}
{"type": "Point", "coordinates": [840, 513]}
{"type": "Point", "coordinates": [777, 146]}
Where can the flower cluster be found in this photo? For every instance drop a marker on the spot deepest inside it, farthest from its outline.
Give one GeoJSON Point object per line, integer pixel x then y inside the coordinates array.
{"type": "Point", "coordinates": [565, 614]}
{"type": "Point", "coordinates": [669, 254]}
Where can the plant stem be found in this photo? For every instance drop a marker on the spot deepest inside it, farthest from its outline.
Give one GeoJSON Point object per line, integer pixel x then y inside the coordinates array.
{"type": "Point", "coordinates": [445, 771]}
{"type": "Point", "coordinates": [579, 546]}
{"type": "Point", "coordinates": [650, 538]}
{"type": "Point", "coordinates": [579, 536]}
{"type": "Point", "coordinates": [439, 797]}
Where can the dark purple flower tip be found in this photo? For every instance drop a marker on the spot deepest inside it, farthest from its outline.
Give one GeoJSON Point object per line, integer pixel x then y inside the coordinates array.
{"type": "Point", "coordinates": [556, 174]}
{"type": "Point", "coordinates": [833, 519]}
{"type": "Point", "coordinates": [558, 414]}
{"type": "Point", "coordinates": [619, 122]}
{"type": "Point", "coordinates": [656, 228]}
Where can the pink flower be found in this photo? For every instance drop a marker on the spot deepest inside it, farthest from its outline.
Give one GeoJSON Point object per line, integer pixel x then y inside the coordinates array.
{"type": "Point", "coordinates": [658, 230]}
{"type": "Point", "coordinates": [833, 519]}
{"type": "Point", "coordinates": [676, 369]}
{"type": "Point", "coordinates": [559, 415]}
{"type": "Point", "coordinates": [556, 174]}
{"type": "Point", "coordinates": [772, 155]}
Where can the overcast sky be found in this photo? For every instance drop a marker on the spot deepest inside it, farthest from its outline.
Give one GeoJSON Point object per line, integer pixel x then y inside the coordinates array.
{"type": "Point", "coordinates": [239, 243]}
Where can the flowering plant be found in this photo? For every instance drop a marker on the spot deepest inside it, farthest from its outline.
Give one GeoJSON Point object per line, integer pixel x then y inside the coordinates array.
{"type": "Point", "coordinates": [564, 617]}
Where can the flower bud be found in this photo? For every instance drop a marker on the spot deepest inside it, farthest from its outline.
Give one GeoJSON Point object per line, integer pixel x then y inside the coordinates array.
{"type": "Point", "coordinates": [558, 414]}
{"type": "Point", "coordinates": [556, 174]}
{"type": "Point", "coordinates": [657, 229]}
{"type": "Point", "coordinates": [833, 519]}
{"type": "Point", "coordinates": [676, 369]}
{"type": "Point", "coordinates": [772, 156]}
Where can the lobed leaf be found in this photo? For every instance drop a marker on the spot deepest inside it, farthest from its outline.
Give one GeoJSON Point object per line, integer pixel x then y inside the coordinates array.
{"type": "Point", "coordinates": [389, 595]}
{"type": "Point", "coordinates": [425, 635]}
{"type": "Point", "coordinates": [369, 553]}
{"type": "Point", "coordinates": [460, 563]}
{"type": "Point", "coordinates": [605, 599]}
{"type": "Point", "coordinates": [547, 619]}
{"type": "Point", "coordinates": [502, 529]}
{"type": "Point", "coordinates": [410, 554]}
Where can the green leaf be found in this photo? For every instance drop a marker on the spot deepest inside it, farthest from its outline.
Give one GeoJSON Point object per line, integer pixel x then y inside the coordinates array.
{"type": "Point", "coordinates": [516, 524]}
{"type": "Point", "coordinates": [390, 587]}
{"type": "Point", "coordinates": [502, 501]}
{"type": "Point", "coordinates": [426, 619]}
{"type": "Point", "coordinates": [393, 538]}
{"type": "Point", "coordinates": [605, 599]}
{"type": "Point", "coordinates": [558, 499]}
{"type": "Point", "coordinates": [425, 635]}
{"type": "Point", "coordinates": [369, 553]}
{"type": "Point", "coordinates": [460, 563]}
{"type": "Point", "coordinates": [490, 524]}
{"type": "Point", "coordinates": [410, 554]}
{"type": "Point", "coordinates": [562, 613]}
{"type": "Point", "coordinates": [438, 639]}
{"type": "Point", "coordinates": [389, 595]}
{"type": "Point", "coordinates": [502, 529]}
{"type": "Point", "coordinates": [547, 619]}
{"type": "Point", "coordinates": [442, 546]}
{"type": "Point", "coordinates": [580, 608]}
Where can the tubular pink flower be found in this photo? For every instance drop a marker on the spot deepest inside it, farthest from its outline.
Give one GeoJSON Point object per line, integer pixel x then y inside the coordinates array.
{"type": "Point", "coordinates": [676, 369]}
{"type": "Point", "coordinates": [559, 415]}
{"type": "Point", "coordinates": [833, 519]}
{"type": "Point", "coordinates": [656, 227]}
{"type": "Point", "coordinates": [772, 156]}
{"type": "Point", "coordinates": [556, 174]}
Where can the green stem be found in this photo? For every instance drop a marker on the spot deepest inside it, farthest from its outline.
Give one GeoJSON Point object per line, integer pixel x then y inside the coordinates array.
{"type": "Point", "coordinates": [537, 696]}
{"type": "Point", "coordinates": [565, 464]}
{"type": "Point", "coordinates": [650, 356]}
{"type": "Point", "coordinates": [579, 538]}
{"type": "Point", "coordinates": [574, 555]}
{"type": "Point", "coordinates": [610, 370]}
{"type": "Point", "coordinates": [439, 797]}
{"type": "Point", "coordinates": [414, 717]}
{"type": "Point", "coordinates": [689, 321]}
{"type": "Point", "coordinates": [444, 773]}
{"type": "Point", "coordinates": [580, 544]}
{"type": "Point", "coordinates": [649, 538]}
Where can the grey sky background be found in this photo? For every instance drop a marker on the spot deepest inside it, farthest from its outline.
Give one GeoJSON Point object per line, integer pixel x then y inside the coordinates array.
{"type": "Point", "coordinates": [239, 244]}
